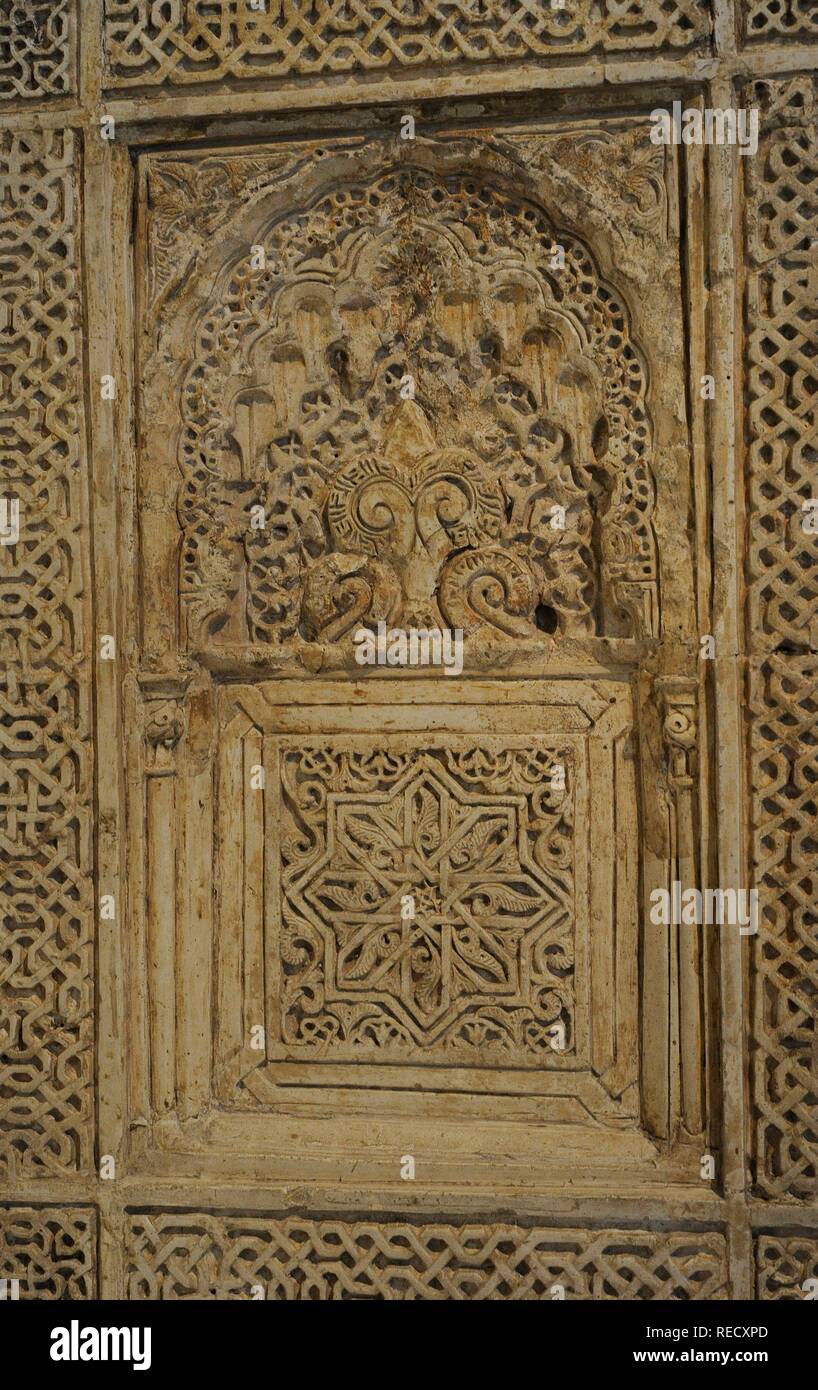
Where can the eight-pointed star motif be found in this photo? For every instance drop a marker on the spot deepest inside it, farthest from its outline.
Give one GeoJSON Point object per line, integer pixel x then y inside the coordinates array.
{"type": "Point", "coordinates": [481, 902]}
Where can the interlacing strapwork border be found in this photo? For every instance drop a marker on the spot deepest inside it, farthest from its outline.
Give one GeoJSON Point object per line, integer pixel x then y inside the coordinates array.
{"type": "Point", "coordinates": [36, 48]}
{"type": "Point", "coordinates": [783, 706]}
{"type": "Point", "coordinates": [787, 1267]}
{"type": "Point", "coordinates": [782, 251]}
{"type": "Point", "coordinates": [180, 1255]}
{"type": "Point", "coordinates": [773, 19]}
{"type": "Point", "coordinates": [46, 955]}
{"type": "Point", "coordinates": [50, 1251]}
{"type": "Point", "coordinates": [175, 43]}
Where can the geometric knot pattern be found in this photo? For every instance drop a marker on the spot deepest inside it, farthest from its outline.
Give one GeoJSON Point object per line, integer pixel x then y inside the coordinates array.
{"type": "Point", "coordinates": [784, 768]}
{"type": "Point", "coordinates": [36, 48]}
{"type": "Point", "coordinates": [148, 43]}
{"type": "Point", "coordinates": [781, 237]}
{"type": "Point", "coordinates": [782, 376]}
{"type": "Point", "coordinates": [50, 1250]}
{"type": "Point", "coordinates": [784, 1265]}
{"type": "Point", "coordinates": [427, 901]}
{"type": "Point", "coordinates": [178, 1255]}
{"type": "Point", "coordinates": [45, 715]}
{"type": "Point", "coordinates": [767, 19]}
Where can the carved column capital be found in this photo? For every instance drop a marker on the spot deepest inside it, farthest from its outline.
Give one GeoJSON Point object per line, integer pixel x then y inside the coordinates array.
{"type": "Point", "coordinates": [164, 724]}
{"type": "Point", "coordinates": [163, 717]}
{"type": "Point", "coordinates": [678, 703]}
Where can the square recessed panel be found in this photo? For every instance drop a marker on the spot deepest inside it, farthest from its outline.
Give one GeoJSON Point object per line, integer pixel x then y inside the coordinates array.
{"type": "Point", "coordinates": [426, 902]}
{"type": "Point", "coordinates": [416, 909]}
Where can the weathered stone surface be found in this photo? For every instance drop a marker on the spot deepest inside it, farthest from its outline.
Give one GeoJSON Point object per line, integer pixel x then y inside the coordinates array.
{"type": "Point", "coordinates": [787, 1267]}
{"type": "Point", "coordinates": [776, 19]}
{"type": "Point", "coordinates": [183, 1256]}
{"type": "Point", "coordinates": [397, 392]}
{"type": "Point", "coordinates": [334, 972]}
{"type": "Point", "coordinates": [46, 851]}
{"type": "Point", "coordinates": [194, 43]}
{"type": "Point", "coordinates": [37, 49]}
{"type": "Point", "coordinates": [49, 1251]}
{"type": "Point", "coordinates": [782, 599]}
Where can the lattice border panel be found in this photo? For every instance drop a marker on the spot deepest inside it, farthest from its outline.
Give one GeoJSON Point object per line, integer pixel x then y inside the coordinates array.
{"type": "Point", "coordinates": [178, 44]}
{"type": "Point", "coordinates": [50, 1251]}
{"type": "Point", "coordinates": [37, 49]}
{"type": "Point", "coordinates": [46, 853]}
{"type": "Point", "coordinates": [186, 1256]}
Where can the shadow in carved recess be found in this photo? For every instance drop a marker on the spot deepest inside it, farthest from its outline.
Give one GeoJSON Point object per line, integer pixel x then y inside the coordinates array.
{"type": "Point", "coordinates": [510, 496]}
{"type": "Point", "coordinates": [399, 392]}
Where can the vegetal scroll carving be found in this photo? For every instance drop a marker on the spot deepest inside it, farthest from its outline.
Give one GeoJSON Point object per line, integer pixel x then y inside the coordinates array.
{"type": "Point", "coordinates": [422, 408]}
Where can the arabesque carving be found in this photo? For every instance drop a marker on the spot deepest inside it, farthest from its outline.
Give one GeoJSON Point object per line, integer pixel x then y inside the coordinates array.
{"type": "Point", "coordinates": [318, 493]}
{"type": "Point", "coordinates": [321, 316]}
